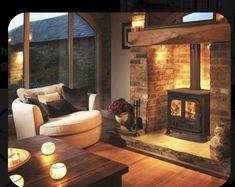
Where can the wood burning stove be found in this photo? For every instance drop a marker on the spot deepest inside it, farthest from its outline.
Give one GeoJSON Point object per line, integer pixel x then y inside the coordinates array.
{"type": "Point", "coordinates": [189, 114]}
{"type": "Point", "coordinates": [189, 108]}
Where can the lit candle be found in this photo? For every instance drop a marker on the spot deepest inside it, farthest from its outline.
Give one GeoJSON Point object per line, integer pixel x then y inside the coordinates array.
{"type": "Point", "coordinates": [15, 158]}
{"type": "Point", "coordinates": [48, 148]}
{"type": "Point", "coordinates": [58, 171]}
{"type": "Point", "coordinates": [17, 180]}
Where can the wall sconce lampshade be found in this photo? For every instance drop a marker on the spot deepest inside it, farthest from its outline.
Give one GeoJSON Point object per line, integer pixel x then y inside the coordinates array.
{"type": "Point", "coordinates": [138, 21]}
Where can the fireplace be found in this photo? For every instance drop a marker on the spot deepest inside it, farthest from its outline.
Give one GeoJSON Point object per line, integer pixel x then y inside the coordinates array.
{"type": "Point", "coordinates": [189, 108]}
{"type": "Point", "coordinates": [189, 114]}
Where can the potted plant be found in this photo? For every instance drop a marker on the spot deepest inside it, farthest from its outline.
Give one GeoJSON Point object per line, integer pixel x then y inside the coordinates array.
{"type": "Point", "coordinates": [121, 109]}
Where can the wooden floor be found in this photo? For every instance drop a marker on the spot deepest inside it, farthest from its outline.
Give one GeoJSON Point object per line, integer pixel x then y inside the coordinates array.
{"type": "Point", "coordinates": [151, 172]}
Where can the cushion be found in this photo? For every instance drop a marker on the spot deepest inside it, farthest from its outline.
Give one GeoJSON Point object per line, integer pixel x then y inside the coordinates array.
{"type": "Point", "coordinates": [49, 97]}
{"type": "Point", "coordinates": [59, 108]}
{"type": "Point", "coordinates": [77, 97]}
{"type": "Point", "coordinates": [77, 122]}
{"type": "Point", "coordinates": [34, 92]}
{"type": "Point", "coordinates": [42, 107]}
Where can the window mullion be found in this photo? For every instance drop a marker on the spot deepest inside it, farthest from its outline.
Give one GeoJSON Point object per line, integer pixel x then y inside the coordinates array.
{"type": "Point", "coordinates": [70, 48]}
{"type": "Point", "coordinates": [26, 49]}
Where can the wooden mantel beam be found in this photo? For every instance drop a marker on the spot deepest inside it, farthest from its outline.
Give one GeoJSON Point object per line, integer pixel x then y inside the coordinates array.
{"type": "Point", "coordinates": [207, 33]}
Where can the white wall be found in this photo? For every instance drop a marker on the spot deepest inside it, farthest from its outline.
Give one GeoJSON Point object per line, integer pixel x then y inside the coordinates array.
{"type": "Point", "coordinates": [120, 59]}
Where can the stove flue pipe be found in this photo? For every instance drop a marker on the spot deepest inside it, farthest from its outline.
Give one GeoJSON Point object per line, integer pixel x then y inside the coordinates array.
{"type": "Point", "coordinates": [195, 67]}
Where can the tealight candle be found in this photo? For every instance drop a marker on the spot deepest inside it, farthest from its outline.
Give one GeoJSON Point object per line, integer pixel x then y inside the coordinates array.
{"type": "Point", "coordinates": [15, 158]}
{"type": "Point", "coordinates": [48, 148]}
{"type": "Point", "coordinates": [17, 180]}
{"type": "Point", "coordinates": [58, 171]}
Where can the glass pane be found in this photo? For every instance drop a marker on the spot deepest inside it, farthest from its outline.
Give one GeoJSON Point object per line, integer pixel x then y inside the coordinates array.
{"type": "Point", "coordinates": [15, 57]}
{"type": "Point", "coordinates": [85, 66]}
{"type": "Point", "coordinates": [48, 54]}
{"type": "Point", "coordinates": [176, 109]}
{"type": "Point", "coordinates": [200, 16]}
{"type": "Point", "coordinates": [190, 110]}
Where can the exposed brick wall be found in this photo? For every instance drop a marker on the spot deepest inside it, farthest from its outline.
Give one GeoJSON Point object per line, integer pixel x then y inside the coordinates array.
{"type": "Point", "coordinates": [220, 84]}
{"type": "Point", "coordinates": [139, 79]}
{"type": "Point", "coordinates": [182, 66]}
{"type": "Point", "coordinates": [160, 79]}
{"type": "Point", "coordinates": [181, 57]}
{"type": "Point", "coordinates": [170, 68]}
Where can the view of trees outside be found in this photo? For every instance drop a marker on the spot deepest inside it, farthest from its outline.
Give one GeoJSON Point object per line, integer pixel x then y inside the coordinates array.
{"type": "Point", "coordinates": [48, 53]}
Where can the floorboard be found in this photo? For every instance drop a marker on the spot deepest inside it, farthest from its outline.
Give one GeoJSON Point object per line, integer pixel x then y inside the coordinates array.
{"type": "Point", "coordinates": [148, 171]}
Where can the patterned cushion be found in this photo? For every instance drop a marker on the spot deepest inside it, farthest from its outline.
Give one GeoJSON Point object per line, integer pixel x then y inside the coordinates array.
{"type": "Point", "coordinates": [34, 92]}
{"type": "Point", "coordinates": [49, 97]}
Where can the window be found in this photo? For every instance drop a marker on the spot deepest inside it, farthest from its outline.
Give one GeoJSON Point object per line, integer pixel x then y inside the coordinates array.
{"type": "Point", "coordinates": [84, 55]}
{"type": "Point", "coordinates": [48, 51]}
{"type": "Point", "coordinates": [200, 16]}
{"type": "Point", "coordinates": [15, 57]}
{"type": "Point", "coordinates": [49, 61]}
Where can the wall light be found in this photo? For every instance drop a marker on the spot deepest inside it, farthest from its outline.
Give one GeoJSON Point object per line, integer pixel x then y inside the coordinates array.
{"type": "Point", "coordinates": [48, 148]}
{"type": "Point", "coordinates": [58, 171]}
{"type": "Point", "coordinates": [17, 180]}
{"type": "Point", "coordinates": [138, 21]}
{"type": "Point", "coordinates": [208, 45]}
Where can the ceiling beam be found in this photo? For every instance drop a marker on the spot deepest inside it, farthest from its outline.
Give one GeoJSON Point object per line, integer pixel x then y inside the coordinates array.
{"type": "Point", "coordinates": [189, 34]}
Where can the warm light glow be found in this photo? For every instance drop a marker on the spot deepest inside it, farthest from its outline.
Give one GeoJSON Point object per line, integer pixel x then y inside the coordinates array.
{"type": "Point", "coordinates": [190, 110]}
{"type": "Point", "coordinates": [160, 54]}
{"type": "Point", "coordinates": [48, 148]}
{"type": "Point", "coordinates": [58, 171]}
{"type": "Point", "coordinates": [30, 36]}
{"type": "Point", "coordinates": [176, 108]}
{"type": "Point", "coordinates": [162, 46]}
{"type": "Point", "coordinates": [19, 57]}
{"type": "Point", "coordinates": [13, 159]}
{"type": "Point", "coordinates": [219, 17]}
{"type": "Point", "coordinates": [17, 180]}
{"type": "Point", "coordinates": [9, 40]}
{"type": "Point", "coordinates": [138, 22]}
{"type": "Point", "coordinates": [208, 45]}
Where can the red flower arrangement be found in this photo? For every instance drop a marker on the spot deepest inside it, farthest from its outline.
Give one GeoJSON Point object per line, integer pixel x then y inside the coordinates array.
{"type": "Point", "coordinates": [119, 106]}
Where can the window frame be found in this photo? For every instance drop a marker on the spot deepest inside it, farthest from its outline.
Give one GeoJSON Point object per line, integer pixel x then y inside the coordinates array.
{"type": "Point", "coordinates": [26, 60]}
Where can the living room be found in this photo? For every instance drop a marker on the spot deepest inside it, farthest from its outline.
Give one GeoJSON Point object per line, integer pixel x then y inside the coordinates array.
{"type": "Point", "coordinates": [169, 72]}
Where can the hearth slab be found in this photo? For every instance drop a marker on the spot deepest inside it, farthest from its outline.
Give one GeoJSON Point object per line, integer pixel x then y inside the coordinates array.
{"type": "Point", "coordinates": [215, 168]}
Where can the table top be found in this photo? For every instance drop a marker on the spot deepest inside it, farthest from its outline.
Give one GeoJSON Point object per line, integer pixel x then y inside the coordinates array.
{"type": "Point", "coordinates": [83, 168]}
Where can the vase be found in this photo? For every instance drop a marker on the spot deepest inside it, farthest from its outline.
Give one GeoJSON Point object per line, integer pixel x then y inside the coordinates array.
{"type": "Point", "coordinates": [122, 118]}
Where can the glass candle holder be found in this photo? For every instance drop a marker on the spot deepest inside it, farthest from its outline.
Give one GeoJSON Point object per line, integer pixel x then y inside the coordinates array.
{"type": "Point", "coordinates": [14, 159]}
{"type": "Point", "coordinates": [48, 148]}
{"type": "Point", "coordinates": [17, 180]}
{"type": "Point", "coordinates": [58, 171]}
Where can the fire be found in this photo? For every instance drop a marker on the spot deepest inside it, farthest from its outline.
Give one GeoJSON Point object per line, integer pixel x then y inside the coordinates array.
{"type": "Point", "coordinates": [176, 107]}
{"type": "Point", "coordinates": [190, 110]}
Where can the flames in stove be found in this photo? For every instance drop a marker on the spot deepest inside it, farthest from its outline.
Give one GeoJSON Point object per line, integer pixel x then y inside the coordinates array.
{"type": "Point", "coordinates": [176, 108]}
{"type": "Point", "coordinates": [190, 109]}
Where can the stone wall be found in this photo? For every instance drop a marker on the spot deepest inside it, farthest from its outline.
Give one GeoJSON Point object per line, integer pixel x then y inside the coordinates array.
{"type": "Point", "coordinates": [220, 84]}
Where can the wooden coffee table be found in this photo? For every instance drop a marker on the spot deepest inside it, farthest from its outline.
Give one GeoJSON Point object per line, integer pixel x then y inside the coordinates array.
{"type": "Point", "coordinates": [83, 168]}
